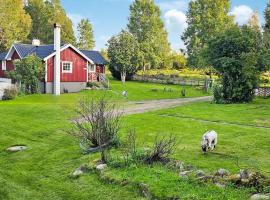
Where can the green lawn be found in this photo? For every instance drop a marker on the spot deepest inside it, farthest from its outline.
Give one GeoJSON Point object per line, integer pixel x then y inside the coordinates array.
{"type": "Point", "coordinates": [42, 171]}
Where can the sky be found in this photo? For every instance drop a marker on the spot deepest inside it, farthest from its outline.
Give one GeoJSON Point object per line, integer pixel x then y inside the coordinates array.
{"type": "Point", "coordinates": [109, 17]}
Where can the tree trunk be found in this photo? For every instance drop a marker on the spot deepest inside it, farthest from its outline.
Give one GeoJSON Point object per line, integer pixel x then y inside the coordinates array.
{"type": "Point", "coordinates": [123, 77]}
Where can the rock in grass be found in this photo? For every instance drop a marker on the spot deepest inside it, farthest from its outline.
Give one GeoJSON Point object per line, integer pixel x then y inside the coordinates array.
{"type": "Point", "coordinates": [144, 189]}
{"type": "Point", "coordinates": [259, 197]}
{"type": "Point", "coordinates": [220, 185]}
{"type": "Point", "coordinates": [222, 172]}
{"type": "Point", "coordinates": [78, 172]}
{"type": "Point", "coordinates": [101, 167]}
{"type": "Point", "coordinates": [16, 148]}
{"type": "Point", "coordinates": [200, 173]}
{"type": "Point", "coordinates": [184, 173]}
{"type": "Point", "coordinates": [244, 174]}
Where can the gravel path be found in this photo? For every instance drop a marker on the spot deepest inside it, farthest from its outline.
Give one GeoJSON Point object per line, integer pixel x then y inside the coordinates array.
{"type": "Point", "coordinates": [151, 105]}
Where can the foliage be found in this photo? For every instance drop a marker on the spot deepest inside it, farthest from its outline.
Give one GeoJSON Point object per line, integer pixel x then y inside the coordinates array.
{"type": "Point", "coordinates": [254, 22]}
{"type": "Point", "coordinates": [205, 19]}
{"type": "Point", "coordinates": [14, 23]}
{"type": "Point", "coordinates": [10, 93]}
{"type": "Point", "coordinates": [238, 55]}
{"type": "Point", "coordinates": [86, 35]}
{"type": "Point", "coordinates": [123, 55]}
{"type": "Point", "coordinates": [29, 72]}
{"type": "Point", "coordinates": [97, 126]}
{"type": "Point", "coordinates": [162, 150]}
{"type": "Point", "coordinates": [44, 14]}
{"type": "Point", "coordinates": [147, 27]}
{"type": "Point", "coordinates": [267, 19]}
{"type": "Point", "coordinates": [92, 84]}
{"type": "Point", "coordinates": [177, 61]}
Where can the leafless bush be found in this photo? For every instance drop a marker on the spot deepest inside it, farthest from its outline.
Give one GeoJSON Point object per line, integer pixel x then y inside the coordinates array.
{"type": "Point", "coordinates": [97, 126]}
{"type": "Point", "coordinates": [162, 150]}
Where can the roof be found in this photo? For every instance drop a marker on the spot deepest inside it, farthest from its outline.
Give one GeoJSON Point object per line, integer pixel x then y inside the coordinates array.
{"type": "Point", "coordinates": [44, 51]}
{"type": "Point", "coordinates": [3, 55]}
{"type": "Point", "coordinates": [95, 56]}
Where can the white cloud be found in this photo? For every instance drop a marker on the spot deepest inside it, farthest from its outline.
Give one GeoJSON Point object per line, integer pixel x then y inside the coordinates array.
{"type": "Point", "coordinates": [241, 14]}
{"type": "Point", "coordinates": [175, 20]}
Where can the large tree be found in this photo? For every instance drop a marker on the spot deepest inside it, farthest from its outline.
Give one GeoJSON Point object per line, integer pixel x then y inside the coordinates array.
{"type": "Point", "coordinates": [44, 14]}
{"type": "Point", "coordinates": [239, 55]}
{"type": "Point", "coordinates": [254, 21]}
{"type": "Point", "coordinates": [267, 19]}
{"type": "Point", "coordinates": [147, 27]}
{"type": "Point", "coordinates": [14, 23]}
{"type": "Point", "coordinates": [123, 55]}
{"type": "Point", "coordinates": [86, 35]}
{"type": "Point", "coordinates": [205, 18]}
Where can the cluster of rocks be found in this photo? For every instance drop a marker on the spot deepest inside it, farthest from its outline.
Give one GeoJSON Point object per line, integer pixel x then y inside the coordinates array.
{"type": "Point", "coordinates": [85, 168]}
{"type": "Point", "coordinates": [222, 177]}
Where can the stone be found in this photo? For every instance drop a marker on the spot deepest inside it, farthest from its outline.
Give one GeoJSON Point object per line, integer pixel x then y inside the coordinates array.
{"type": "Point", "coordinates": [200, 173]}
{"type": "Point", "coordinates": [101, 167]}
{"type": "Point", "coordinates": [79, 171]}
{"type": "Point", "coordinates": [244, 174]}
{"type": "Point", "coordinates": [145, 190]}
{"type": "Point", "coordinates": [180, 165]}
{"type": "Point", "coordinates": [220, 185]}
{"type": "Point", "coordinates": [185, 173]}
{"type": "Point", "coordinates": [222, 172]}
{"type": "Point", "coordinates": [16, 148]}
{"type": "Point", "coordinates": [259, 197]}
{"type": "Point", "coordinates": [189, 167]}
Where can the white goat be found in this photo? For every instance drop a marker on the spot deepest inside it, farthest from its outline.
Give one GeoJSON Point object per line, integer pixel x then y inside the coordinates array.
{"type": "Point", "coordinates": [209, 141]}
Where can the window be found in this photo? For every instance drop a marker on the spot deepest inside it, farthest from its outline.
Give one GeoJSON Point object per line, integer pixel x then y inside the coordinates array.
{"type": "Point", "coordinates": [66, 67]}
{"type": "Point", "coordinates": [91, 68]}
{"type": "Point", "coordinates": [4, 65]}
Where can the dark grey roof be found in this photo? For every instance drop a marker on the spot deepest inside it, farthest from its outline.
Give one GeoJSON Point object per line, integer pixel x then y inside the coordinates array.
{"type": "Point", "coordinates": [43, 51]}
{"type": "Point", "coordinates": [3, 55]}
{"type": "Point", "coordinates": [95, 56]}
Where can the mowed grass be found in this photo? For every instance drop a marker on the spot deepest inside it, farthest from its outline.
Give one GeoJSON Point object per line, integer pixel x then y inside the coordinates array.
{"type": "Point", "coordinates": [42, 171]}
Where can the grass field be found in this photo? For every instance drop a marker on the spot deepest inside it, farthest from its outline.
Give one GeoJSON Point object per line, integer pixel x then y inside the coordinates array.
{"type": "Point", "coordinates": [42, 171]}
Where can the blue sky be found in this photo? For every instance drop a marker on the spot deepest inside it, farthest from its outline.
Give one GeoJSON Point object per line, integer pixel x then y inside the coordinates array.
{"type": "Point", "coordinates": [110, 16]}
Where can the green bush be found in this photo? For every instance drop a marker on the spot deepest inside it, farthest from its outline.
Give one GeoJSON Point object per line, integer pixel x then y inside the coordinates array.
{"type": "Point", "coordinates": [92, 84]}
{"type": "Point", "coordinates": [10, 93]}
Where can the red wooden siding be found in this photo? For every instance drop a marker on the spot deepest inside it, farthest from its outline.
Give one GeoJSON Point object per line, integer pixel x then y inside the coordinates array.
{"type": "Point", "coordinates": [79, 67]}
{"type": "Point", "coordinates": [9, 64]}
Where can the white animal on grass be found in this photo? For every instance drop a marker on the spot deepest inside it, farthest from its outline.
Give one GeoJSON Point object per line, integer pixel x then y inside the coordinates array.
{"type": "Point", "coordinates": [209, 141]}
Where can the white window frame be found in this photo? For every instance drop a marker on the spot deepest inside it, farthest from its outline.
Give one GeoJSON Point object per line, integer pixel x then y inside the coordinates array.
{"type": "Point", "coordinates": [89, 65]}
{"type": "Point", "coordinates": [67, 71]}
{"type": "Point", "coordinates": [4, 65]}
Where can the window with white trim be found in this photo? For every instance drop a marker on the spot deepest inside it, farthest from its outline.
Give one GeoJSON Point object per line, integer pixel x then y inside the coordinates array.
{"type": "Point", "coordinates": [4, 65]}
{"type": "Point", "coordinates": [66, 67]}
{"type": "Point", "coordinates": [91, 67]}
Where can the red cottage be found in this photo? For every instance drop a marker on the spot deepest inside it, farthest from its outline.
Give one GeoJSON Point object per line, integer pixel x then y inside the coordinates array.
{"type": "Point", "coordinates": [67, 68]}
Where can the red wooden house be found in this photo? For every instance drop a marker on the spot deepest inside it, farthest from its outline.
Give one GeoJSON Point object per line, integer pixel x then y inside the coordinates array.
{"type": "Point", "coordinates": [67, 68]}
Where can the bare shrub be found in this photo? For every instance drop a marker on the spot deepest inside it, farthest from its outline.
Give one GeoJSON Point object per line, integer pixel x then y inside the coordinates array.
{"type": "Point", "coordinates": [98, 125]}
{"type": "Point", "coordinates": [162, 150]}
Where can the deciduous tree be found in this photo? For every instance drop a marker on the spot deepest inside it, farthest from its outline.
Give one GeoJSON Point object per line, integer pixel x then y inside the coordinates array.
{"type": "Point", "coordinates": [147, 27]}
{"type": "Point", "coordinates": [14, 23]}
{"type": "Point", "coordinates": [205, 18]}
{"type": "Point", "coordinates": [86, 35]}
{"type": "Point", "coordinates": [123, 53]}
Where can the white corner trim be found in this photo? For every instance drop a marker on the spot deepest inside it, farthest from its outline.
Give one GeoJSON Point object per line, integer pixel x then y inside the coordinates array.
{"type": "Point", "coordinates": [46, 71]}
{"type": "Point", "coordinates": [4, 65]}
{"type": "Point", "coordinates": [67, 71]}
{"type": "Point", "coordinates": [74, 48]}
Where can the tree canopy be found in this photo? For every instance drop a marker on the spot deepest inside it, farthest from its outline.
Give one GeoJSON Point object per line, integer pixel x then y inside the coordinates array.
{"type": "Point", "coordinates": [86, 35]}
{"type": "Point", "coordinates": [44, 14]}
{"type": "Point", "coordinates": [146, 25]}
{"type": "Point", "coordinates": [206, 19]}
{"type": "Point", "coordinates": [238, 55]}
{"type": "Point", "coordinates": [14, 23]}
{"type": "Point", "coordinates": [123, 55]}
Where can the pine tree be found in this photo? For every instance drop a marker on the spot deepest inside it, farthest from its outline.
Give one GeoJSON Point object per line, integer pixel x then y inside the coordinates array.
{"type": "Point", "coordinates": [205, 18]}
{"type": "Point", "coordinates": [86, 35]}
{"type": "Point", "coordinates": [14, 23]}
{"type": "Point", "coordinates": [147, 27]}
{"type": "Point", "coordinates": [267, 19]}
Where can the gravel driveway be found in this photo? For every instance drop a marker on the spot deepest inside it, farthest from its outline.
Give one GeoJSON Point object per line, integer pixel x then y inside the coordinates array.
{"type": "Point", "coordinates": [145, 106]}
